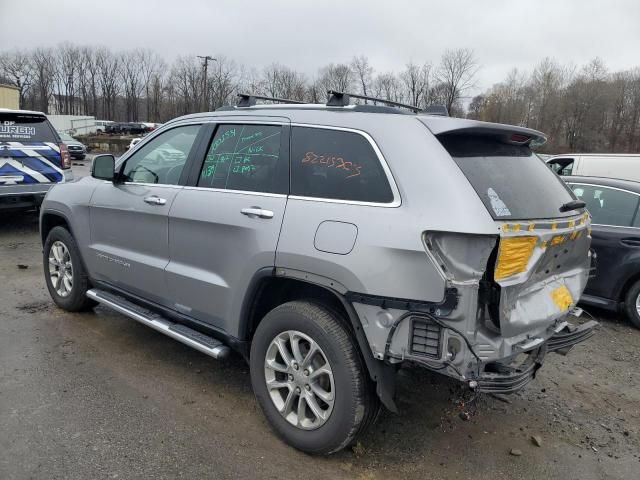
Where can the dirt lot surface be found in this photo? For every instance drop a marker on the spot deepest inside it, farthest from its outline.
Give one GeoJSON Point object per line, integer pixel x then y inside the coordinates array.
{"type": "Point", "coordinates": [96, 395]}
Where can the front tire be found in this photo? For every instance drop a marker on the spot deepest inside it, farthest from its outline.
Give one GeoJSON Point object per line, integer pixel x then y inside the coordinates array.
{"type": "Point", "coordinates": [64, 272]}
{"type": "Point", "coordinates": [632, 304]}
{"type": "Point", "coordinates": [309, 379]}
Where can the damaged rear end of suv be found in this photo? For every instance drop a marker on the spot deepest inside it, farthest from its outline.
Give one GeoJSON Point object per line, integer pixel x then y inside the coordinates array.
{"type": "Point", "coordinates": [510, 280]}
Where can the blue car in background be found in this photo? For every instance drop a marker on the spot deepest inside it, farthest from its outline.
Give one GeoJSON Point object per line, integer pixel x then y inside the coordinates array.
{"type": "Point", "coordinates": [33, 158]}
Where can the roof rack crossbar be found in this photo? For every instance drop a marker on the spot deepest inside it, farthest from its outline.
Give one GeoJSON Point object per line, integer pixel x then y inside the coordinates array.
{"type": "Point", "coordinates": [341, 99]}
{"type": "Point", "coordinates": [247, 100]}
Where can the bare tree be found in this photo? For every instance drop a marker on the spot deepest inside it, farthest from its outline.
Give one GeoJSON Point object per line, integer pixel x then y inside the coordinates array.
{"type": "Point", "coordinates": [363, 72]}
{"type": "Point", "coordinates": [415, 79]}
{"type": "Point", "coordinates": [109, 75]}
{"type": "Point", "coordinates": [89, 80]}
{"type": "Point", "coordinates": [44, 74]}
{"type": "Point", "coordinates": [283, 82]}
{"type": "Point", "coordinates": [150, 65]}
{"type": "Point", "coordinates": [388, 86]}
{"type": "Point", "coordinates": [337, 77]}
{"type": "Point", "coordinates": [67, 68]}
{"type": "Point", "coordinates": [224, 80]}
{"type": "Point", "coordinates": [456, 73]}
{"type": "Point", "coordinates": [17, 69]}
{"type": "Point", "coordinates": [131, 74]}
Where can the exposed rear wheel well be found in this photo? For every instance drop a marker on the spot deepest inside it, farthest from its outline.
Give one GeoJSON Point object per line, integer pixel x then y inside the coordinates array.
{"type": "Point", "coordinates": [49, 221]}
{"type": "Point", "coordinates": [274, 291]}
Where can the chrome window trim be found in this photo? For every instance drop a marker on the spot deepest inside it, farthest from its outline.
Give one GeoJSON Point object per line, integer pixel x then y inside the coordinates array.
{"type": "Point", "coordinates": [611, 188]}
{"type": "Point", "coordinates": [240, 192]}
{"type": "Point", "coordinates": [141, 184]}
{"type": "Point", "coordinates": [397, 200]}
{"type": "Point", "coordinates": [612, 226]}
{"type": "Point", "coordinates": [603, 186]}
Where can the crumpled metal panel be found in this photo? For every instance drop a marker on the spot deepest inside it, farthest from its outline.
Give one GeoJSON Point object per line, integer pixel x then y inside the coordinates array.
{"type": "Point", "coordinates": [559, 263]}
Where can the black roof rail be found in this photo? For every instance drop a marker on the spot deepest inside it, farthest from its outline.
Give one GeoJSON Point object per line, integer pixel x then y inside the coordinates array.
{"type": "Point", "coordinates": [247, 100]}
{"type": "Point", "coordinates": [436, 110]}
{"type": "Point", "coordinates": [342, 99]}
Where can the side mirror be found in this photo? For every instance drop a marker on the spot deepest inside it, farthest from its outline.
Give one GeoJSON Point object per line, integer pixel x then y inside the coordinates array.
{"type": "Point", "coordinates": [103, 167]}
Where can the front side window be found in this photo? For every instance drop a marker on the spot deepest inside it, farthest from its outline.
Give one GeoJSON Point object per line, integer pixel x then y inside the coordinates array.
{"type": "Point", "coordinates": [161, 160]}
{"type": "Point", "coordinates": [246, 158]}
{"type": "Point", "coordinates": [335, 164]}
{"type": "Point", "coordinates": [608, 206]}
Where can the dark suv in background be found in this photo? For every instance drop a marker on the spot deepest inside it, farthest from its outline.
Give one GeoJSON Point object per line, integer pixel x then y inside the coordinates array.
{"type": "Point", "coordinates": [614, 206]}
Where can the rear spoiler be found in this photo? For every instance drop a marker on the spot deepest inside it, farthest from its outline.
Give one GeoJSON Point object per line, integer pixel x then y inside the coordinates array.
{"type": "Point", "coordinates": [507, 133]}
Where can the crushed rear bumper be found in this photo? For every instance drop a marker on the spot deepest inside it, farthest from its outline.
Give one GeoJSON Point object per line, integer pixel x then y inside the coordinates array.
{"type": "Point", "coordinates": [569, 336]}
{"type": "Point", "coordinates": [509, 379]}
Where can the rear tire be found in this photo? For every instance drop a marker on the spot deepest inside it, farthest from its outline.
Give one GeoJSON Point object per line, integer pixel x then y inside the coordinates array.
{"type": "Point", "coordinates": [632, 304]}
{"type": "Point", "coordinates": [351, 403]}
{"type": "Point", "coordinates": [64, 272]}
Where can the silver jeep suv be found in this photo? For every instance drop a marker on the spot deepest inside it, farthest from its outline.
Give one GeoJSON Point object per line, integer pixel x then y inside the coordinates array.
{"type": "Point", "coordinates": [330, 245]}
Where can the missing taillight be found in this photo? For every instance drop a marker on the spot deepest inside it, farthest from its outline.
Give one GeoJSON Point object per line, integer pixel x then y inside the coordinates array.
{"type": "Point", "coordinates": [513, 256]}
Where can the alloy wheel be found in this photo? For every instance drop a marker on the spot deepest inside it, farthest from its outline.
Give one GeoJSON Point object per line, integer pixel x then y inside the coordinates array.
{"type": "Point", "coordinates": [299, 380]}
{"type": "Point", "coordinates": [60, 268]}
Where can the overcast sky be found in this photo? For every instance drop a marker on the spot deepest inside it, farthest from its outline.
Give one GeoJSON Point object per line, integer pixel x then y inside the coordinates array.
{"type": "Point", "coordinates": [305, 34]}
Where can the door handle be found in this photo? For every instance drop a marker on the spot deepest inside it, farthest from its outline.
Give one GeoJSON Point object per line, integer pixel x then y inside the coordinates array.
{"type": "Point", "coordinates": [155, 200]}
{"type": "Point", "coordinates": [631, 242]}
{"type": "Point", "coordinates": [253, 212]}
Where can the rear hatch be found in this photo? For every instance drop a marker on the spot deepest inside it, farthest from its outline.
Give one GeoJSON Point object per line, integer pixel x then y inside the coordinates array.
{"type": "Point", "coordinates": [541, 261]}
{"type": "Point", "coordinates": [30, 150]}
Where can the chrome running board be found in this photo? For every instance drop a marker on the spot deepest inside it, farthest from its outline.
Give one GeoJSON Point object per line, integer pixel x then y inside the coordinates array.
{"type": "Point", "coordinates": [201, 342]}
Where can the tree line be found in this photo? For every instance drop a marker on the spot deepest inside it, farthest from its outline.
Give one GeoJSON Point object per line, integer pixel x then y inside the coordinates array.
{"type": "Point", "coordinates": [586, 108]}
{"type": "Point", "coordinates": [581, 109]}
{"type": "Point", "coordinates": [140, 85]}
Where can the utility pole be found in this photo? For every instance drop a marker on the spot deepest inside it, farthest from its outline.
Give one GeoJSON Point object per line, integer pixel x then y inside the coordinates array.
{"type": "Point", "coordinates": [205, 64]}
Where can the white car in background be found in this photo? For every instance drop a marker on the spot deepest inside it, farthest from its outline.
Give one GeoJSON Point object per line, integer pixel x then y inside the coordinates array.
{"type": "Point", "coordinates": [101, 125]}
{"type": "Point", "coordinates": [134, 142]}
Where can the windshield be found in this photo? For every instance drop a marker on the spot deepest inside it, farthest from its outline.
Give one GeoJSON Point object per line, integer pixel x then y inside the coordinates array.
{"type": "Point", "coordinates": [21, 127]}
{"type": "Point", "coordinates": [512, 182]}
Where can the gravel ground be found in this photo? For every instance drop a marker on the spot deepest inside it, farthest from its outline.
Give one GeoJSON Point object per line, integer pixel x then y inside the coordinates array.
{"type": "Point", "coordinates": [96, 395]}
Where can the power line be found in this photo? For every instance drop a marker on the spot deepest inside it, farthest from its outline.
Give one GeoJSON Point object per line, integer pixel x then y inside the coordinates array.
{"type": "Point", "coordinates": [205, 60]}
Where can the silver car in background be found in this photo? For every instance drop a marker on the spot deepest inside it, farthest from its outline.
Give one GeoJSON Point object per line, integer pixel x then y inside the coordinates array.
{"type": "Point", "coordinates": [330, 245]}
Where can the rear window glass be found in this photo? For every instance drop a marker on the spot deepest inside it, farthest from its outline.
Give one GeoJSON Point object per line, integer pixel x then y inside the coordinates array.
{"type": "Point", "coordinates": [25, 128]}
{"type": "Point", "coordinates": [511, 181]}
{"type": "Point", "coordinates": [337, 165]}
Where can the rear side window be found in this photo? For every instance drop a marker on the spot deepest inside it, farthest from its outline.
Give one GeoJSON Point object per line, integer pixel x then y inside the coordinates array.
{"type": "Point", "coordinates": [338, 165]}
{"type": "Point", "coordinates": [608, 206]}
{"type": "Point", "coordinates": [512, 182]}
{"type": "Point", "coordinates": [246, 157]}
{"type": "Point", "coordinates": [25, 128]}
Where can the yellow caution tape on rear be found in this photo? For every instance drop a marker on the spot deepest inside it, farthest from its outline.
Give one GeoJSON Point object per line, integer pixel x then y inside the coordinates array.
{"type": "Point", "coordinates": [561, 296]}
{"type": "Point", "coordinates": [513, 256]}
